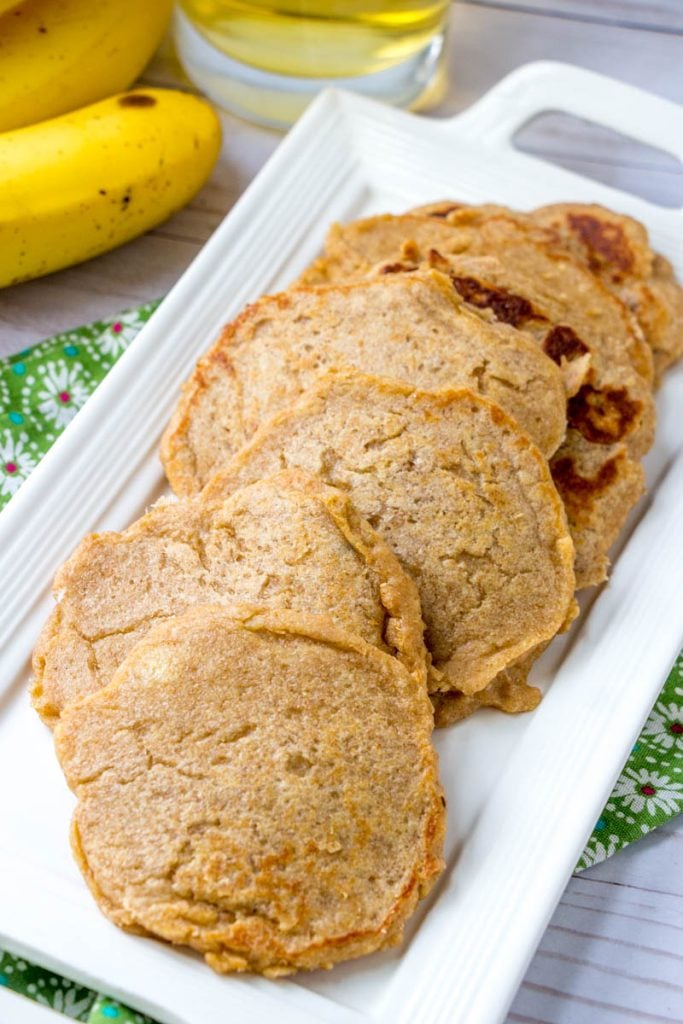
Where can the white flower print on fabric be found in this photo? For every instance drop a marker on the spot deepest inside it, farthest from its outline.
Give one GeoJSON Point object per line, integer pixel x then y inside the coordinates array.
{"type": "Point", "coordinates": [119, 334]}
{"type": "Point", "coordinates": [598, 850]}
{"type": "Point", "coordinates": [17, 459]}
{"type": "Point", "coordinates": [61, 392]}
{"type": "Point", "coordinates": [71, 1002]}
{"type": "Point", "coordinates": [640, 789]}
{"type": "Point", "coordinates": [664, 727]}
{"type": "Point", "coordinates": [678, 690]}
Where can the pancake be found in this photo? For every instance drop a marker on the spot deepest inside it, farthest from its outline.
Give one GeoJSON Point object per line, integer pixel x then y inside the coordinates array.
{"type": "Point", "coordinates": [285, 542]}
{"type": "Point", "coordinates": [531, 284]}
{"type": "Point", "coordinates": [598, 476]}
{"type": "Point", "coordinates": [616, 248]}
{"type": "Point", "coordinates": [509, 692]}
{"type": "Point", "coordinates": [271, 798]}
{"type": "Point", "coordinates": [461, 495]}
{"type": "Point", "coordinates": [574, 318]}
{"type": "Point", "coordinates": [412, 327]}
{"type": "Point", "coordinates": [599, 485]}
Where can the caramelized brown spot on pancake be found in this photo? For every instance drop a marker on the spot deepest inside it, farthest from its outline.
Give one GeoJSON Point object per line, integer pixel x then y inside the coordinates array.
{"type": "Point", "coordinates": [576, 491]}
{"type": "Point", "coordinates": [396, 268]}
{"type": "Point", "coordinates": [506, 307]}
{"type": "Point", "coordinates": [606, 243]}
{"type": "Point", "coordinates": [562, 342]}
{"type": "Point", "coordinates": [603, 417]}
{"type": "Point", "coordinates": [443, 211]}
{"type": "Point", "coordinates": [438, 262]}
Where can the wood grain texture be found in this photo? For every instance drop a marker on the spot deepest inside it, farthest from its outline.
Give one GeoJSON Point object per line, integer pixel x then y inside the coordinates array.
{"type": "Point", "coordinates": [488, 42]}
{"type": "Point", "coordinates": [613, 950]}
{"type": "Point", "coordinates": [663, 15]}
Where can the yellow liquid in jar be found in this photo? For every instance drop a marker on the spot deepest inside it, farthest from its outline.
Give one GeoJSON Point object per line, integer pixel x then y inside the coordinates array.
{"type": "Point", "coordinates": [312, 39]}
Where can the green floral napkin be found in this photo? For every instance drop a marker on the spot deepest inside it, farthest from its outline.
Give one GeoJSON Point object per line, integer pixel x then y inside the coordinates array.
{"type": "Point", "coordinates": [41, 390]}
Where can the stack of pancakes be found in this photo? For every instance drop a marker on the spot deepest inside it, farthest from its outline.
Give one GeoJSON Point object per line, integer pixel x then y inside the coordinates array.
{"type": "Point", "coordinates": [391, 480]}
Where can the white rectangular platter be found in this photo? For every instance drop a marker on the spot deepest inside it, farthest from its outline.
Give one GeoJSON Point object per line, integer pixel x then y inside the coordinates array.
{"type": "Point", "coordinates": [523, 793]}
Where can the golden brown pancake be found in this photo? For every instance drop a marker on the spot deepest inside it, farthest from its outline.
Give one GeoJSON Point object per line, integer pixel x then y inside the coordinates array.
{"type": "Point", "coordinates": [285, 542]}
{"type": "Point", "coordinates": [460, 494]}
{"type": "Point", "coordinates": [616, 248]}
{"type": "Point", "coordinates": [599, 486]}
{"type": "Point", "coordinates": [509, 692]}
{"type": "Point", "coordinates": [532, 284]}
{"type": "Point", "coordinates": [412, 327]}
{"type": "Point", "coordinates": [258, 785]}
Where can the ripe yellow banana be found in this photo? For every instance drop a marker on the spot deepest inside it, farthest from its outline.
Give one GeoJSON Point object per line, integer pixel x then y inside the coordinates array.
{"type": "Point", "coordinates": [58, 55]}
{"type": "Point", "coordinates": [83, 183]}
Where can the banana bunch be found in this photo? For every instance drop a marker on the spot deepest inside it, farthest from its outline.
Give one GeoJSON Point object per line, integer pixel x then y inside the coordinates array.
{"type": "Point", "coordinates": [84, 165]}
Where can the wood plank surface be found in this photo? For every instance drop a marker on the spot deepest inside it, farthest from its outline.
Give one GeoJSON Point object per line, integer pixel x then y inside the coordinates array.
{"type": "Point", "coordinates": [488, 42]}
{"type": "Point", "coordinates": [613, 950]}
{"type": "Point", "coordinates": [658, 15]}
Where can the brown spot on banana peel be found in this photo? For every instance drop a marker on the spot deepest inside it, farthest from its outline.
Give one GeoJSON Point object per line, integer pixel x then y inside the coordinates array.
{"type": "Point", "coordinates": [136, 99]}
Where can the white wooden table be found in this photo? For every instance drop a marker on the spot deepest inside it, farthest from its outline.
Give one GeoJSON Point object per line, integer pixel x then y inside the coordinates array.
{"type": "Point", "coordinates": [613, 951]}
